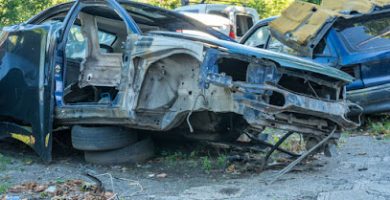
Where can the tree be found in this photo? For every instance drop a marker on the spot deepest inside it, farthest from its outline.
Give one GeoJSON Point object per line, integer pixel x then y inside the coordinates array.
{"type": "Point", "coordinates": [314, 1]}
{"type": "Point", "coordinates": [17, 11]}
{"type": "Point", "coordinates": [266, 8]}
{"type": "Point", "coordinates": [169, 4]}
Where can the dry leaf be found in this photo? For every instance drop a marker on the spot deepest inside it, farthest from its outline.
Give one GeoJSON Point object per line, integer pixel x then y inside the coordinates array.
{"type": "Point", "coordinates": [162, 175]}
{"type": "Point", "coordinates": [231, 169]}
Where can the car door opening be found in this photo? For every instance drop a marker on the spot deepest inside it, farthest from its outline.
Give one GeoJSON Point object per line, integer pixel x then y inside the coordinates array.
{"type": "Point", "coordinates": [94, 56]}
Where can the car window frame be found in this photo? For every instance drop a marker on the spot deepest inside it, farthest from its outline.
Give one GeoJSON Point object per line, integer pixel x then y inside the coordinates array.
{"type": "Point", "coordinates": [100, 42]}
{"type": "Point", "coordinates": [253, 31]}
{"type": "Point", "coordinates": [236, 15]}
{"type": "Point", "coordinates": [69, 21]}
{"type": "Point", "coordinates": [359, 18]}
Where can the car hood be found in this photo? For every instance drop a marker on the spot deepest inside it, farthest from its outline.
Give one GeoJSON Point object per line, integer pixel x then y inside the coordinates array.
{"type": "Point", "coordinates": [284, 60]}
{"type": "Point", "coordinates": [382, 56]}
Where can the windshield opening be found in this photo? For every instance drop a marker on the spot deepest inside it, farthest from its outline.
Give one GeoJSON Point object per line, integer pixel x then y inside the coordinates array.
{"type": "Point", "coordinates": [373, 33]}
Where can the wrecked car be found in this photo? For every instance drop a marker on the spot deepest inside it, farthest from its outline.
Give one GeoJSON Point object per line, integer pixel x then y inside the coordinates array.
{"type": "Point", "coordinates": [110, 70]}
{"type": "Point", "coordinates": [352, 36]}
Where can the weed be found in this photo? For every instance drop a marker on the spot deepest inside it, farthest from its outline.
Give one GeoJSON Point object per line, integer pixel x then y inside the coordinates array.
{"type": "Point", "coordinates": [193, 163]}
{"type": "Point", "coordinates": [193, 154]}
{"type": "Point", "coordinates": [175, 157]}
{"type": "Point", "coordinates": [294, 143]}
{"type": "Point", "coordinates": [60, 180]}
{"type": "Point", "coordinates": [221, 161]}
{"type": "Point", "coordinates": [4, 161]}
{"type": "Point", "coordinates": [4, 187]}
{"type": "Point", "coordinates": [44, 195]}
{"type": "Point", "coordinates": [206, 164]}
{"type": "Point", "coordinates": [379, 126]}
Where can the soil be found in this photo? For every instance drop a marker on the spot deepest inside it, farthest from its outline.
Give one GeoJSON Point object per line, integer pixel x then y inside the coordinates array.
{"type": "Point", "coordinates": [359, 171]}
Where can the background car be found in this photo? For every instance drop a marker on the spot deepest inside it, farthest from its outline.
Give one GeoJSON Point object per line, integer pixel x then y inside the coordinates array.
{"type": "Point", "coordinates": [216, 22]}
{"type": "Point", "coordinates": [243, 18]}
{"type": "Point", "coordinates": [359, 46]}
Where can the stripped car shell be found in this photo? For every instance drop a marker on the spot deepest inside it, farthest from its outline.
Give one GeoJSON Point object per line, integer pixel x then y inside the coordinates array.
{"type": "Point", "coordinates": [165, 79]}
{"type": "Point", "coordinates": [204, 84]}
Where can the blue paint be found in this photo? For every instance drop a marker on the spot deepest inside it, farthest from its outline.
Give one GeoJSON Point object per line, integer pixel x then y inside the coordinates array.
{"type": "Point", "coordinates": [209, 66]}
{"type": "Point", "coordinates": [373, 64]}
{"type": "Point", "coordinates": [284, 60]}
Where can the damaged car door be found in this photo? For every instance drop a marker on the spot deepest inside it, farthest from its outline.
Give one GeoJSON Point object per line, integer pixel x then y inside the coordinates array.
{"type": "Point", "coordinates": [26, 84]}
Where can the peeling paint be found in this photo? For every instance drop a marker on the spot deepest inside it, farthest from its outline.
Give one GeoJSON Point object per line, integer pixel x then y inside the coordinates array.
{"type": "Point", "coordinates": [29, 140]}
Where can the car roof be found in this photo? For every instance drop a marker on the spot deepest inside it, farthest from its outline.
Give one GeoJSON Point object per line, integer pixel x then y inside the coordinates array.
{"type": "Point", "coordinates": [144, 9]}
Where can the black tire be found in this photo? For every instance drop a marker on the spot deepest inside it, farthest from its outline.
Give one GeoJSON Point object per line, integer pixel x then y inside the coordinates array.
{"type": "Point", "coordinates": [135, 153]}
{"type": "Point", "coordinates": [101, 138]}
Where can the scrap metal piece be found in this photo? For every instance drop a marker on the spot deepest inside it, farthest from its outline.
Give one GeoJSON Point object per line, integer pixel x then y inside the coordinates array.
{"type": "Point", "coordinates": [99, 183]}
{"type": "Point", "coordinates": [276, 146]}
{"type": "Point", "coordinates": [303, 156]}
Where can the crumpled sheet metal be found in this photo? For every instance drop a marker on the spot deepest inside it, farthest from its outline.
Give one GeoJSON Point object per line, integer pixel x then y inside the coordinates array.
{"type": "Point", "coordinates": [302, 22]}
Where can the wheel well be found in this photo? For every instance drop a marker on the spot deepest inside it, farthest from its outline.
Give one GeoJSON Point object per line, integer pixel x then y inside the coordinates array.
{"type": "Point", "coordinates": [164, 78]}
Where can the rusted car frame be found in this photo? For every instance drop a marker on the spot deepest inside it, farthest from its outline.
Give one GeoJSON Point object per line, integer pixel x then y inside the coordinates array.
{"type": "Point", "coordinates": [156, 80]}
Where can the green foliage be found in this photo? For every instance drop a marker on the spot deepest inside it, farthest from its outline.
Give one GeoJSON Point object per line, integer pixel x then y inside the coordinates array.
{"type": "Point", "coordinates": [266, 8]}
{"type": "Point", "coordinates": [169, 4]}
{"type": "Point", "coordinates": [221, 161]}
{"type": "Point", "coordinates": [18, 11]}
{"type": "Point", "coordinates": [4, 161]}
{"type": "Point", "coordinates": [174, 157]}
{"type": "Point", "coordinates": [4, 188]}
{"type": "Point", "coordinates": [379, 126]}
{"type": "Point", "coordinates": [206, 164]}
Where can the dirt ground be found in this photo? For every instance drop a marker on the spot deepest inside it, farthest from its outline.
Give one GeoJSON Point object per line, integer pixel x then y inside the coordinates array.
{"type": "Point", "coordinates": [361, 170]}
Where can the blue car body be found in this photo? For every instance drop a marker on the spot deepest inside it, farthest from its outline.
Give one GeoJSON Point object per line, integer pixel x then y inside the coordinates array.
{"type": "Point", "coordinates": [370, 68]}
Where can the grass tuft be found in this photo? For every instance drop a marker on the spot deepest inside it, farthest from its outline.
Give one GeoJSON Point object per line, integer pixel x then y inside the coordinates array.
{"type": "Point", "coordinates": [4, 188]}
{"type": "Point", "coordinates": [379, 126]}
{"type": "Point", "coordinates": [4, 161]}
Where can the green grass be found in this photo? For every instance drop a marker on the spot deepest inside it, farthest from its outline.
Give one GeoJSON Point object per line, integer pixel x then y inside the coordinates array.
{"type": "Point", "coordinates": [205, 161]}
{"type": "Point", "coordinates": [206, 164]}
{"type": "Point", "coordinates": [294, 143]}
{"type": "Point", "coordinates": [379, 126]}
{"type": "Point", "coordinates": [221, 161]}
{"type": "Point", "coordinates": [4, 161]}
{"type": "Point", "coordinates": [4, 187]}
{"type": "Point", "coordinates": [173, 157]}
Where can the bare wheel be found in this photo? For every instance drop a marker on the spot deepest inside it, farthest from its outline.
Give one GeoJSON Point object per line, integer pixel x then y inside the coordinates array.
{"type": "Point", "coordinates": [135, 153]}
{"type": "Point", "coordinates": [101, 138]}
